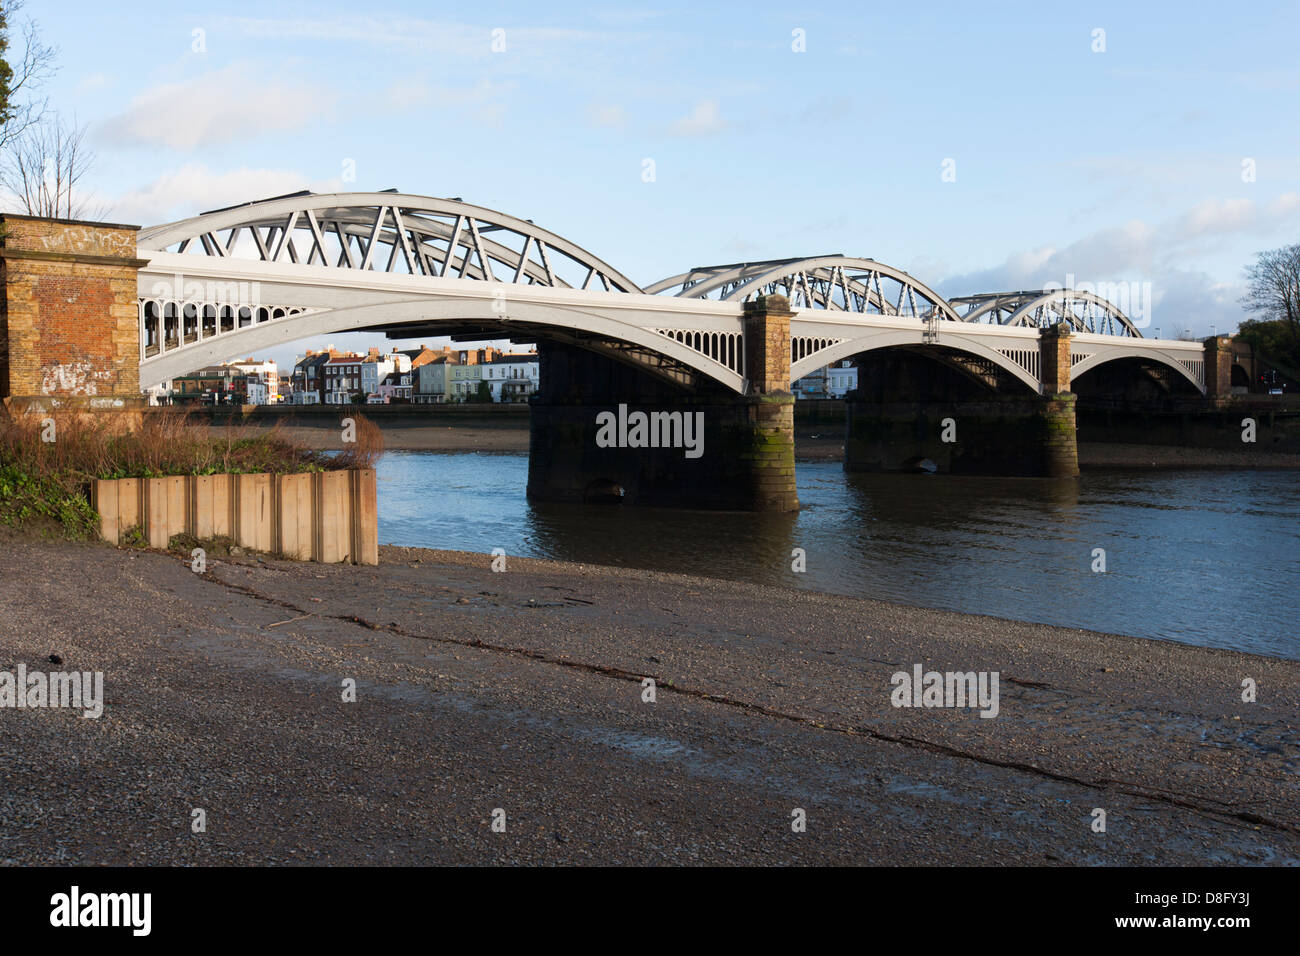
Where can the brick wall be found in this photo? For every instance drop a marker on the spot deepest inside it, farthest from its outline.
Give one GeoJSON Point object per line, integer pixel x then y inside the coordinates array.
{"type": "Point", "coordinates": [69, 325]}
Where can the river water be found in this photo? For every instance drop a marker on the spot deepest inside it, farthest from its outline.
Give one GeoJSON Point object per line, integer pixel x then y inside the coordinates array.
{"type": "Point", "coordinates": [1202, 557]}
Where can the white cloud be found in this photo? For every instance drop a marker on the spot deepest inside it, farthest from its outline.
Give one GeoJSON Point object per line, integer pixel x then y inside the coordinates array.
{"type": "Point", "coordinates": [1183, 297]}
{"type": "Point", "coordinates": [193, 188]}
{"type": "Point", "coordinates": [1217, 216]}
{"type": "Point", "coordinates": [626, 17]}
{"type": "Point", "coordinates": [399, 31]}
{"type": "Point", "coordinates": [704, 120]}
{"type": "Point", "coordinates": [1194, 300]}
{"type": "Point", "coordinates": [485, 102]}
{"type": "Point", "coordinates": [93, 81]}
{"type": "Point", "coordinates": [1224, 217]}
{"type": "Point", "coordinates": [606, 116]}
{"type": "Point", "coordinates": [235, 102]}
{"type": "Point", "coordinates": [437, 37]}
{"type": "Point", "coordinates": [1122, 252]}
{"type": "Point", "coordinates": [406, 93]}
{"type": "Point", "coordinates": [1136, 248]}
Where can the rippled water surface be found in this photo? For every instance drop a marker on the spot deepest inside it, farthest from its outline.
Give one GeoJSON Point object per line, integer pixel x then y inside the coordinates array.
{"type": "Point", "coordinates": [1203, 557]}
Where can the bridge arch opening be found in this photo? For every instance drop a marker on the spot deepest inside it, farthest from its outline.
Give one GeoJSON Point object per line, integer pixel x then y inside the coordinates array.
{"type": "Point", "coordinates": [927, 408]}
{"type": "Point", "coordinates": [933, 373]}
{"type": "Point", "coordinates": [1133, 379]}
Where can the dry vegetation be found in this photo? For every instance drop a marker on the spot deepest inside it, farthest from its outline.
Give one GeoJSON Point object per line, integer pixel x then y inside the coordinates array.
{"type": "Point", "coordinates": [48, 461]}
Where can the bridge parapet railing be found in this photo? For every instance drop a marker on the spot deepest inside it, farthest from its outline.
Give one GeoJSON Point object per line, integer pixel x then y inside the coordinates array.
{"type": "Point", "coordinates": [167, 325]}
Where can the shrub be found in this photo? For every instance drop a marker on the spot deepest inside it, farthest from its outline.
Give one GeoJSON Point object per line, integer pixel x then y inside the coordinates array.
{"type": "Point", "coordinates": [44, 501]}
{"type": "Point", "coordinates": [48, 461]}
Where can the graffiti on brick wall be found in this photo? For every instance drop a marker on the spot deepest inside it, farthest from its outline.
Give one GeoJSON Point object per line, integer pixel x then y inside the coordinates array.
{"type": "Point", "coordinates": [85, 239]}
{"type": "Point", "coordinates": [73, 378]}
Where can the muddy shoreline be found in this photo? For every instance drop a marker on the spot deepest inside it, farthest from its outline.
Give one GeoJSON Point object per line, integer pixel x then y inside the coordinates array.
{"type": "Point", "coordinates": [524, 691]}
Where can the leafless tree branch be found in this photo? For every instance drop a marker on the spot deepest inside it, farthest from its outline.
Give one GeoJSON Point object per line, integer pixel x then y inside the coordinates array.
{"type": "Point", "coordinates": [35, 65]}
{"type": "Point", "coordinates": [42, 167]}
{"type": "Point", "coordinates": [1274, 290]}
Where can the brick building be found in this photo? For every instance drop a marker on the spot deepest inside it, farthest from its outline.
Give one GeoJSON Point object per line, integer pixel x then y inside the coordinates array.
{"type": "Point", "coordinates": [307, 380]}
{"type": "Point", "coordinates": [343, 378]}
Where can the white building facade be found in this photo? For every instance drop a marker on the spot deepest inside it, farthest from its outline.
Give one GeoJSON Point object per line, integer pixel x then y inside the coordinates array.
{"type": "Point", "coordinates": [267, 377]}
{"type": "Point", "coordinates": [378, 367]}
{"type": "Point", "coordinates": [512, 377]}
{"type": "Point", "coordinates": [833, 381]}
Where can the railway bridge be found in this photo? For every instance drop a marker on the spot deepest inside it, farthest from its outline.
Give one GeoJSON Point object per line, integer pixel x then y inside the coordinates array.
{"type": "Point", "coordinates": [96, 312]}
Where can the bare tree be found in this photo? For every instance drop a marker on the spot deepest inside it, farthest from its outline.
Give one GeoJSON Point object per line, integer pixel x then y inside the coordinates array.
{"type": "Point", "coordinates": [42, 167]}
{"type": "Point", "coordinates": [21, 80]}
{"type": "Point", "coordinates": [1274, 290]}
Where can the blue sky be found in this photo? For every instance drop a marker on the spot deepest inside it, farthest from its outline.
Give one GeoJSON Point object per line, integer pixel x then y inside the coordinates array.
{"type": "Point", "coordinates": [1122, 165]}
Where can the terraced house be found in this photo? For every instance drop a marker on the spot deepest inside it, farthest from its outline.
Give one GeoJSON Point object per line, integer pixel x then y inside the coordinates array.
{"type": "Point", "coordinates": [343, 378]}
{"type": "Point", "coordinates": [432, 381]}
{"type": "Point", "coordinates": [308, 378]}
{"type": "Point", "coordinates": [464, 377]}
{"type": "Point", "coordinates": [511, 376]}
{"type": "Point", "coordinates": [396, 387]}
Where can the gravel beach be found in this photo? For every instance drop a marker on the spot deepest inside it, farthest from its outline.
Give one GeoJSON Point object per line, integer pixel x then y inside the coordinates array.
{"type": "Point", "coordinates": [523, 691]}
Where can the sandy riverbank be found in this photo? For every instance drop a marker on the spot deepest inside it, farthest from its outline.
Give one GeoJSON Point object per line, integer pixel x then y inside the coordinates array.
{"type": "Point", "coordinates": [523, 691]}
{"type": "Point", "coordinates": [811, 444]}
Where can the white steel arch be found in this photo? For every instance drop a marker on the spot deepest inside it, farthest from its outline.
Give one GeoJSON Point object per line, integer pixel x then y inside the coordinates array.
{"type": "Point", "coordinates": [235, 280]}
{"type": "Point", "coordinates": [632, 326]}
{"type": "Point", "coordinates": [1042, 308]}
{"type": "Point", "coordinates": [390, 232]}
{"type": "Point", "coordinates": [1185, 358]}
{"type": "Point", "coordinates": [834, 282]}
{"type": "Point", "coordinates": [998, 348]}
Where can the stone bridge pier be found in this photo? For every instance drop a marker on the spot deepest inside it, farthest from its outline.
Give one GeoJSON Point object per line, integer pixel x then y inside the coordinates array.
{"type": "Point", "coordinates": [69, 319]}
{"type": "Point", "coordinates": [928, 406]}
{"type": "Point", "coordinates": [604, 431]}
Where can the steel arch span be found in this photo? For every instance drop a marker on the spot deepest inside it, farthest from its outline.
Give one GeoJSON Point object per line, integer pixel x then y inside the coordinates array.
{"type": "Point", "coordinates": [313, 301]}
{"type": "Point", "coordinates": [836, 283]}
{"type": "Point", "coordinates": [1041, 308]}
{"type": "Point", "coordinates": [236, 280]}
{"type": "Point", "coordinates": [980, 352]}
{"type": "Point", "coordinates": [391, 232]}
{"type": "Point", "coordinates": [1187, 362]}
{"type": "Point", "coordinates": [273, 271]}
